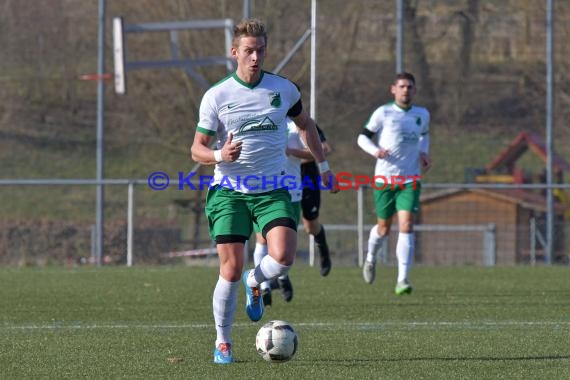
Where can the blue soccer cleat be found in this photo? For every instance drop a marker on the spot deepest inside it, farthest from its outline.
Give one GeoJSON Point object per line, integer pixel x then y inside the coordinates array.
{"type": "Point", "coordinates": [223, 354]}
{"type": "Point", "coordinates": [253, 300]}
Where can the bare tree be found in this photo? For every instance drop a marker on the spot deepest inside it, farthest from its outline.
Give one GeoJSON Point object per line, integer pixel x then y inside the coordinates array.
{"type": "Point", "coordinates": [415, 54]}
{"type": "Point", "coordinates": [467, 20]}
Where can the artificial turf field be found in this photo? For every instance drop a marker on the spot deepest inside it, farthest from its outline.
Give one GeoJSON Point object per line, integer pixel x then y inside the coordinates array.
{"type": "Point", "coordinates": [156, 323]}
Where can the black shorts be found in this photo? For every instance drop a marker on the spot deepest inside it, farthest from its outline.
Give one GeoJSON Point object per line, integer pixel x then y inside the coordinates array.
{"type": "Point", "coordinates": [311, 201]}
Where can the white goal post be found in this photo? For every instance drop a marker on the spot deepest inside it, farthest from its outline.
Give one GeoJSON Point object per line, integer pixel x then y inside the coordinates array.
{"type": "Point", "coordinates": [119, 56]}
{"type": "Point", "coordinates": [122, 64]}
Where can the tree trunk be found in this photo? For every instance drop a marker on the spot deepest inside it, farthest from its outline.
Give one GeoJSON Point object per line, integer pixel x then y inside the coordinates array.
{"type": "Point", "coordinates": [416, 56]}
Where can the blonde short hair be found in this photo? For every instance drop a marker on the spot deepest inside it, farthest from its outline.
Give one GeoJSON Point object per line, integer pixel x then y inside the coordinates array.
{"type": "Point", "coordinates": [251, 27]}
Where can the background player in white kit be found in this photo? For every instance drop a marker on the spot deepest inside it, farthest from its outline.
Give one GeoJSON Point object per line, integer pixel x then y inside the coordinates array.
{"type": "Point", "coordinates": [401, 147]}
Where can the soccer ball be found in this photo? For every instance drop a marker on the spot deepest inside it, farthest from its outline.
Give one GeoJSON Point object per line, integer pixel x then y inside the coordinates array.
{"type": "Point", "coordinates": [276, 341]}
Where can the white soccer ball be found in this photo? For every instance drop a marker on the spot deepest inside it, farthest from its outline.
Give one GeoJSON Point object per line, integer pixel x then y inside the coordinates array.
{"type": "Point", "coordinates": [276, 341]}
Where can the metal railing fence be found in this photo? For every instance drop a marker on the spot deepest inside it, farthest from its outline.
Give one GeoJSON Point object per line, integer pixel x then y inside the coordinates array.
{"type": "Point", "coordinates": [488, 230]}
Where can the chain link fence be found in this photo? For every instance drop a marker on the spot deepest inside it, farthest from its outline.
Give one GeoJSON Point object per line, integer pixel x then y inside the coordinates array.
{"type": "Point", "coordinates": [480, 67]}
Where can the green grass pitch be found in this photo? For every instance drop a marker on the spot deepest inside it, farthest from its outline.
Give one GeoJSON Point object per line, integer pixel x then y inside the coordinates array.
{"type": "Point", "coordinates": [156, 322]}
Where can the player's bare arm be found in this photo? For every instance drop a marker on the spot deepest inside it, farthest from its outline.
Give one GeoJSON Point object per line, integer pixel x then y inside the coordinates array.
{"type": "Point", "coordinates": [382, 153]}
{"type": "Point", "coordinates": [308, 132]}
{"type": "Point", "coordinates": [203, 154]}
{"type": "Point", "coordinates": [326, 148]}
{"type": "Point", "coordinates": [425, 161]}
{"type": "Point", "coordinates": [303, 154]}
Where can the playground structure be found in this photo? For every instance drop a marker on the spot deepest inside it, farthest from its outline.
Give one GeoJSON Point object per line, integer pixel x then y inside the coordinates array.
{"type": "Point", "coordinates": [503, 168]}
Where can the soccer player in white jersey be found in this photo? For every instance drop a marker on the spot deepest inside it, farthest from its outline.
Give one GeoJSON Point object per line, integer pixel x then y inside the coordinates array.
{"type": "Point", "coordinates": [247, 113]}
{"type": "Point", "coordinates": [401, 148]}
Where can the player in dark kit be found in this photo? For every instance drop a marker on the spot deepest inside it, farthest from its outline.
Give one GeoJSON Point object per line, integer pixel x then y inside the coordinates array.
{"type": "Point", "coordinates": [310, 205]}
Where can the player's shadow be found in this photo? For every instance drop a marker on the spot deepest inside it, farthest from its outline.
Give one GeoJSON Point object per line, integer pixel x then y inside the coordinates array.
{"type": "Point", "coordinates": [359, 361]}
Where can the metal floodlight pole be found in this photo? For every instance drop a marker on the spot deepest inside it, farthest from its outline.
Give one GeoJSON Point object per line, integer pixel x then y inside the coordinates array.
{"type": "Point", "coordinates": [314, 60]}
{"type": "Point", "coordinates": [549, 119]}
{"type": "Point", "coordinates": [100, 136]}
{"type": "Point", "coordinates": [399, 35]}
{"type": "Point", "coordinates": [313, 98]}
{"type": "Point", "coordinates": [246, 9]}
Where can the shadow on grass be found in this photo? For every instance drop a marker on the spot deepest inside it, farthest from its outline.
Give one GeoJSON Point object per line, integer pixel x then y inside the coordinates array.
{"type": "Point", "coordinates": [436, 359]}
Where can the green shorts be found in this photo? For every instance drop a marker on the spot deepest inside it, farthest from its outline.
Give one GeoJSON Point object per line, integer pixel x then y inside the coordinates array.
{"type": "Point", "coordinates": [296, 210]}
{"type": "Point", "coordinates": [397, 198]}
{"type": "Point", "coordinates": [233, 215]}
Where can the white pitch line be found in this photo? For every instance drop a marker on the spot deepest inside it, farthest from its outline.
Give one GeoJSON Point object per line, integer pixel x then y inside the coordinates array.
{"type": "Point", "coordinates": [341, 325]}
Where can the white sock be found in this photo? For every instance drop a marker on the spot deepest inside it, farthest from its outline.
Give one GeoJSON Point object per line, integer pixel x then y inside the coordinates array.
{"type": "Point", "coordinates": [268, 269]}
{"type": "Point", "coordinates": [405, 254]}
{"type": "Point", "coordinates": [375, 242]}
{"type": "Point", "coordinates": [224, 305]}
{"type": "Point", "coordinates": [259, 253]}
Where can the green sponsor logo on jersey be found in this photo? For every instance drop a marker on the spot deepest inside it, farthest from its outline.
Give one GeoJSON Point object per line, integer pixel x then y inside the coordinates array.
{"type": "Point", "coordinates": [275, 99]}
{"type": "Point", "coordinates": [410, 137]}
{"type": "Point", "coordinates": [254, 126]}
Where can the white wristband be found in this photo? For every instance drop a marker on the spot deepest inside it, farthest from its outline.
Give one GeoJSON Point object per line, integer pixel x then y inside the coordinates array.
{"type": "Point", "coordinates": [218, 155]}
{"type": "Point", "coordinates": [323, 166]}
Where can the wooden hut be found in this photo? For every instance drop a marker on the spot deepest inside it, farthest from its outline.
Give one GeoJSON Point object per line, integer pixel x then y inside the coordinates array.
{"type": "Point", "coordinates": [516, 216]}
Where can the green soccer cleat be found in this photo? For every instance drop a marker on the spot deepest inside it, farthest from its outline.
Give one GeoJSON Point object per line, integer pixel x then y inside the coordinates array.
{"type": "Point", "coordinates": [403, 287]}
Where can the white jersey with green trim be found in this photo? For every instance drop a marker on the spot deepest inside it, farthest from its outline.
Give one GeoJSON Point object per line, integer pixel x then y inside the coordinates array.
{"type": "Point", "coordinates": [400, 131]}
{"type": "Point", "coordinates": [256, 114]}
{"type": "Point", "coordinates": [293, 168]}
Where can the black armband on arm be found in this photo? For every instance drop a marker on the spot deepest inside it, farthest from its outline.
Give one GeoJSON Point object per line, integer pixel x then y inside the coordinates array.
{"type": "Point", "coordinates": [296, 109]}
{"type": "Point", "coordinates": [367, 133]}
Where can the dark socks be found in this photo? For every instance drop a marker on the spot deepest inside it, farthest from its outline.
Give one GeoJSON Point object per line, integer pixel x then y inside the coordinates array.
{"type": "Point", "coordinates": [321, 240]}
